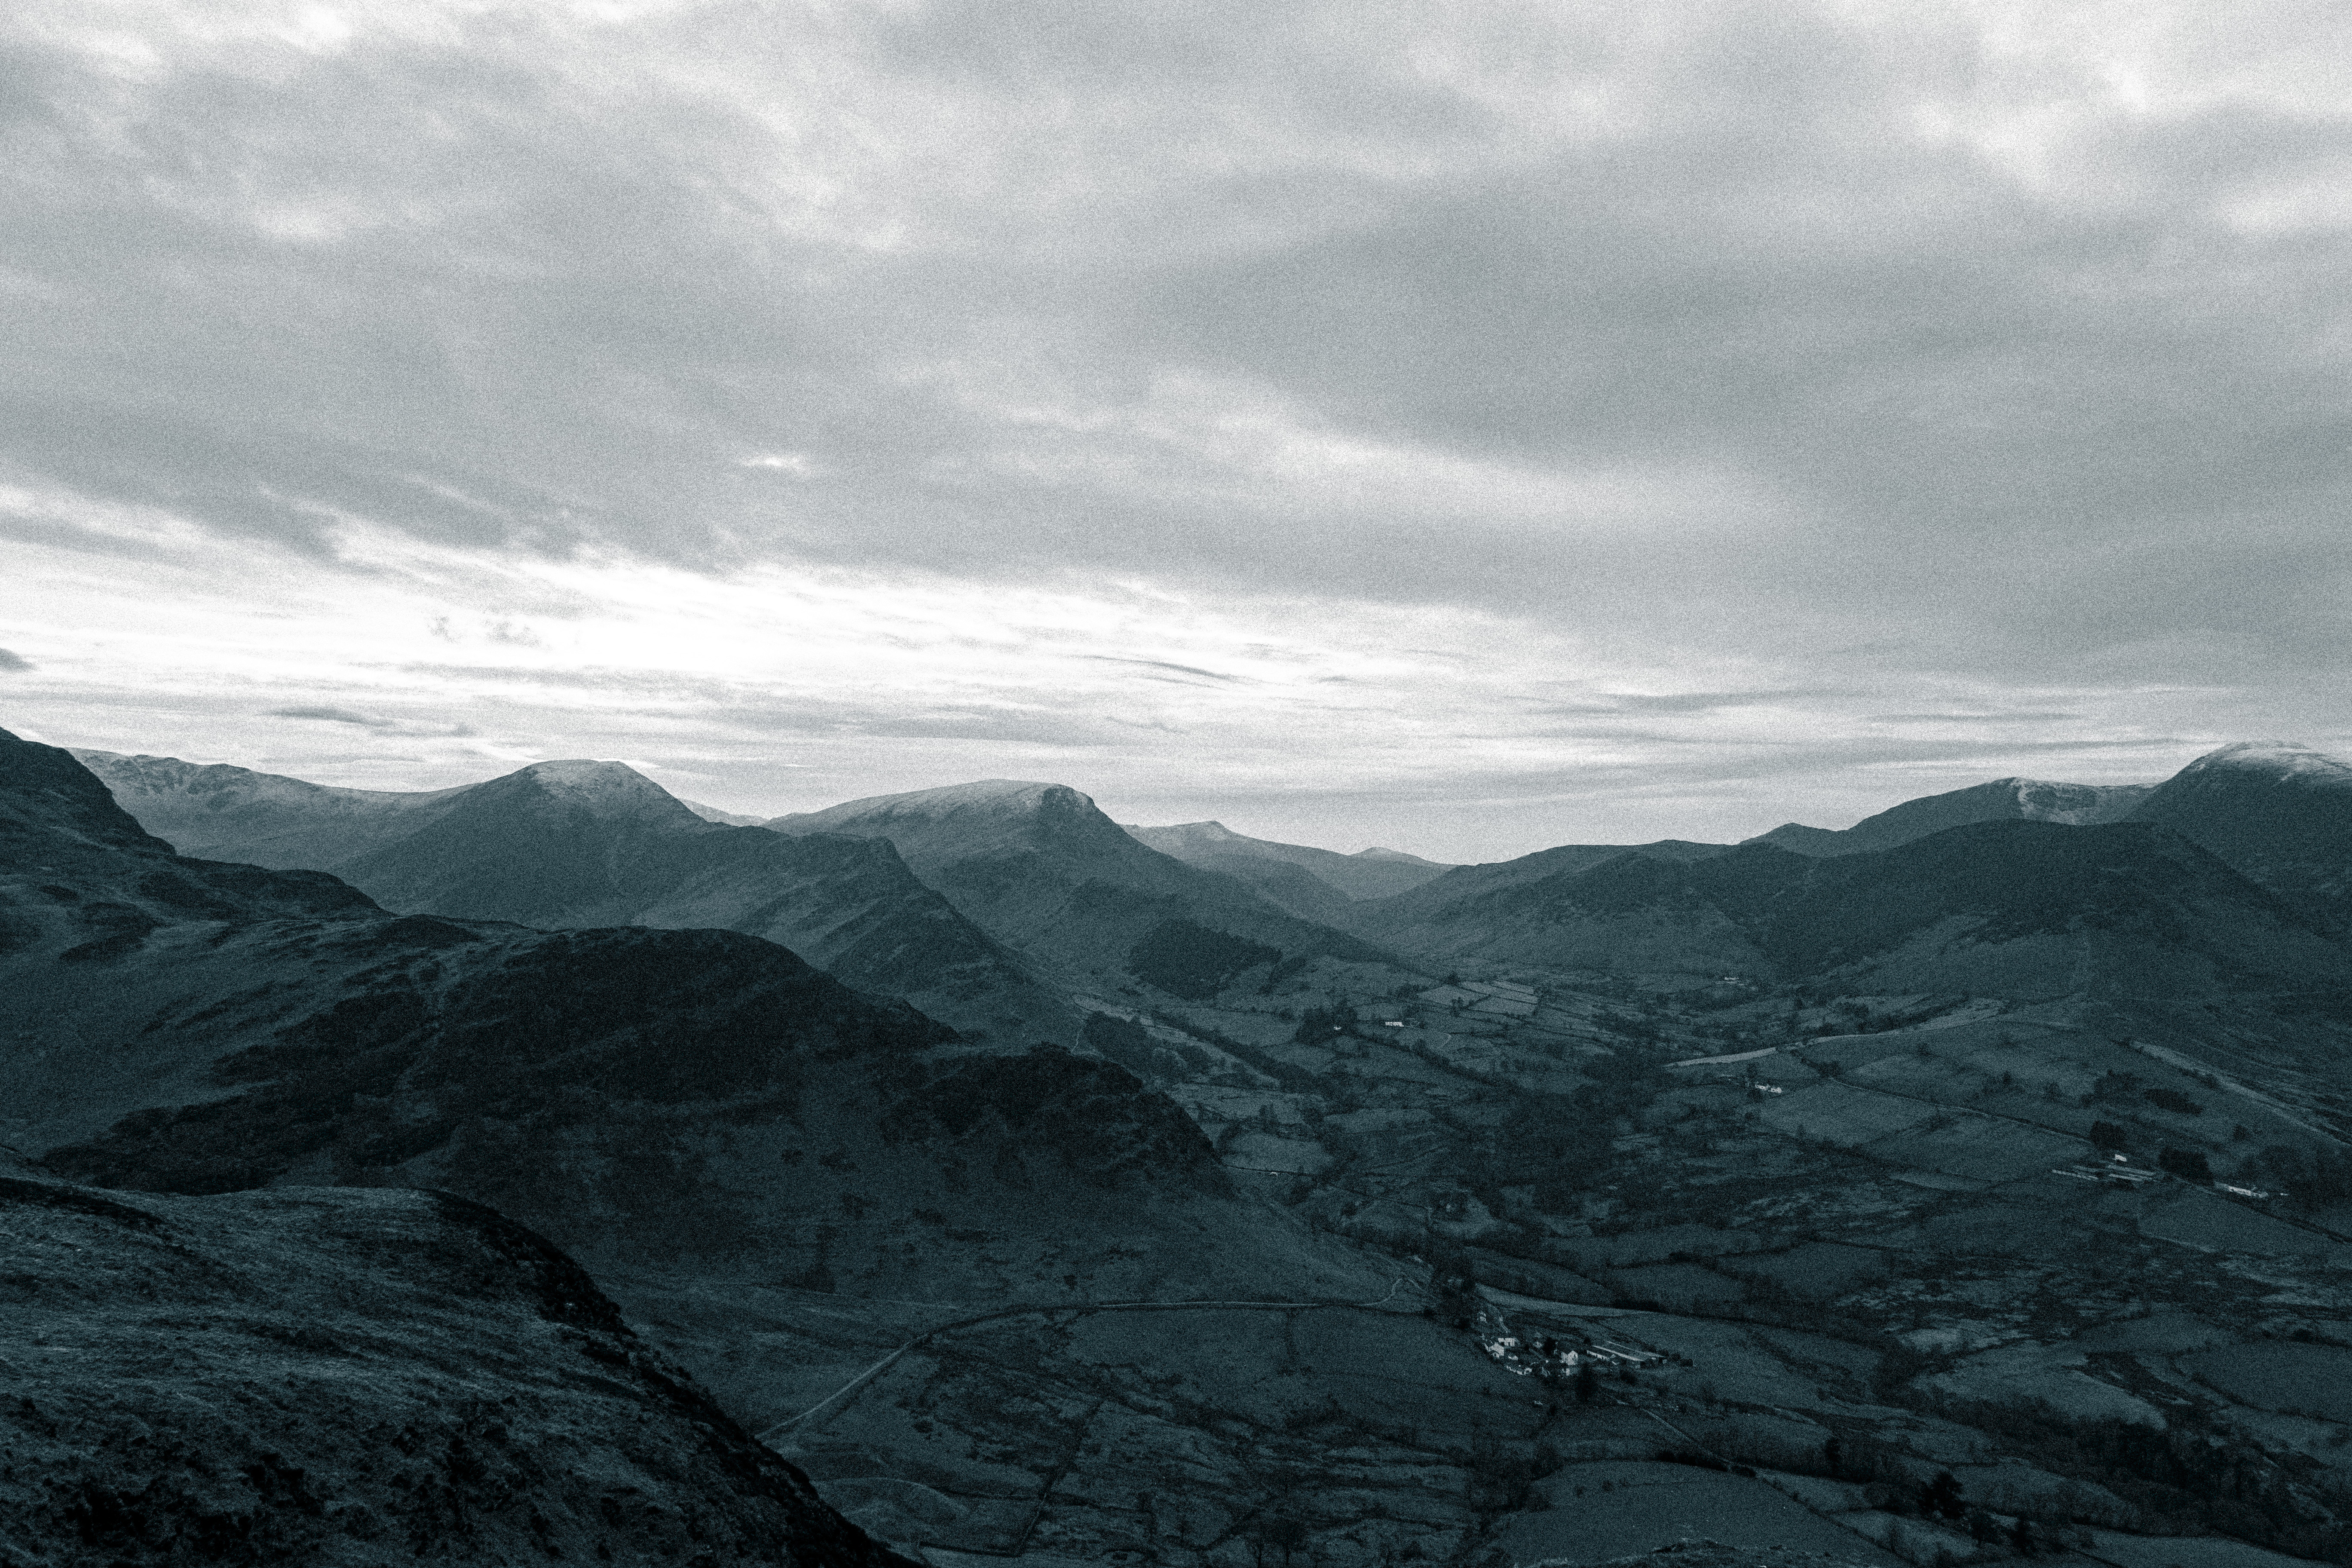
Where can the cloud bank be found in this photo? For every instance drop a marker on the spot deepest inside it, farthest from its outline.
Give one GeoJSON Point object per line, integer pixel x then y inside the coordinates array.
{"type": "Point", "coordinates": [1349, 421]}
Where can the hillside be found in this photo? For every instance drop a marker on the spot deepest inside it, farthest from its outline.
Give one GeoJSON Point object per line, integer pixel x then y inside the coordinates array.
{"type": "Point", "coordinates": [1372, 873]}
{"type": "Point", "coordinates": [216, 812]}
{"type": "Point", "coordinates": [587, 844]}
{"type": "Point", "coordinates": [2013, 908]}
{"type": "Point", "coordinates": [1040, 869]}
{"type": "Point", "coordinates": [440, 1384]}
{"type": "Point", "coordinates": [1569, 1260]}
{"type": "Point", "coordinates": [170, 1024]}
{"type": "Point", "coordinates": [2000, 800]}
{"type": "Point", "coordinates": [2278, 812]}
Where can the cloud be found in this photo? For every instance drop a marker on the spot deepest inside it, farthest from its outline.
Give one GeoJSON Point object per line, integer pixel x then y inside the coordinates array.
{"type": "Point", "coordinates": [14, 663]}
{"type": "Point", "coordinates": [370, 722]}
{"type": "Point", "coordinates": [1703, 371]}
{"type": "Point", "coordinates": [329, 716]}
{"type": "Point", "coordinates": [1160, 664]}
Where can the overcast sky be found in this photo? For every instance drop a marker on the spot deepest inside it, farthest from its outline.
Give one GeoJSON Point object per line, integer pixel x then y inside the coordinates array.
{"type": "Point", "coordinates": [1466, 427]}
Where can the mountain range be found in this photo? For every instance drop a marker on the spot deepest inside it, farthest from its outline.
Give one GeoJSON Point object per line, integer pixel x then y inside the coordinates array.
{"type": "Point", "coordinates": [1316, 883]}
{"type": "Point", "coordinates": [984, 904]}
{"type": "Point", "coordinates": [2000, 1139]}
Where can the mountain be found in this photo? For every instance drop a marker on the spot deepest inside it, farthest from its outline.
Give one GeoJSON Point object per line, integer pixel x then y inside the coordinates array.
{"type": "Point", "coordinates": [1412, 918]}
{"type": "Point", "coordinates": [2278, 812]}
{"type": "Point", "coordinates": [646, 1097]}
{"type": "Point", "coordinates": [724, 818]}
{"type": "Point", "coordinates": [440, 1382]}
{"type": "Point", "coordinates": [1367, 874]}
{"type": "Point", "coordinates": [1612, 908]}
{"type": "Point", "coordinates": [2033, 909]}
{"type": "Point", "coordinates": [2002, 800]}
{"type": "Point", "coordinates": [555, 844]}
{"type": "Point", "coordinates": [2011, 908]}
{"type": "Point", "coordinates": [215, 810]}
{"type": "Point", "coordinates": [1040, 869]}
{"type": "Point", "coordinates": [586, 844]}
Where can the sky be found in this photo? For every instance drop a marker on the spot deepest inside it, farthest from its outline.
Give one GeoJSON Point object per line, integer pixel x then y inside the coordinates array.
{"type": "Point", "coordinates": [1463, 428]}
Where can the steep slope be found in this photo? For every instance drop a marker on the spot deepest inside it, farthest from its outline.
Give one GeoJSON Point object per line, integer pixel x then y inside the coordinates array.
{"type": "Point", "coordinates": [2278, 812]}
{"type": "Point", "coordinates": [585, 844]}
{"type": "Point", "coordinates": [1577, 907]}
{"type": "Point", "coordinates": [724, 818]}
{"type": "Point", "coordinates": [217, 811]}
{"type": "Point", "coordinates": [2014, 908]}
{"type": "Point", "coordinates": [1040, 869]}
{"type": "Point", "coordinates": [441, 1382]}
{"type": "Point", "coordinates": [1367, 874]}
{"type": "Point", "coordinates": [2033, 909]}
{"type": "Point", "coordinates": [653, 1098]}
{"type": "Point", "coordinates": [2002, 800]}
{"type": "Point", "coordinates": [1442, 915]}
{"type": "Point", "coordinates": [851, 907]}
{"type": "Point", "coordinates": [555, 844]}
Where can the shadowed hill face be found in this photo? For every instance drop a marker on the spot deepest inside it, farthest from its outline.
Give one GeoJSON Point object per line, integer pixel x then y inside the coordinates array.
{"type": "Point", "coordinates": [2280, 813]}
{"type": "Point", "coordinates": [2002, 800]}
{"type": "Point", "coordinates": [556, 843]}
{"type": "Point", "coordinates": [852, 907]}
{"type": "Point", "coordinates": [1463, 886]}
{"type": "Point", "coordinates": [1039, 868]}
{"type": "Point", "coordinates": [437, 1375]}
{"type": "Point", "coordinates": [2114, 906]}
{"type": "Point", "coordinates": [1367, 874]}
{"type": "Point", "coordinates": [689, 1099]}
{"type": "Point", "coordinates": [2020, 908]}
{"type": "Point", "coordinates": [75, 868]}
{"type": "Point", "coordinates": [989, 819]}
{"type": "Point", "coordinates": [574, 844]}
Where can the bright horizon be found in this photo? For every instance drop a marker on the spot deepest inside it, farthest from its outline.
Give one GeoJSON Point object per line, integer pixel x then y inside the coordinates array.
{"type": "Point", "coordinates": [1459, 430]}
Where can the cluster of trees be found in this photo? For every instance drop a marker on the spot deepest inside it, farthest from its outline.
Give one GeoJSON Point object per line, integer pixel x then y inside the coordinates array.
{"type": "Point", "coordinates": [2312, 1179]}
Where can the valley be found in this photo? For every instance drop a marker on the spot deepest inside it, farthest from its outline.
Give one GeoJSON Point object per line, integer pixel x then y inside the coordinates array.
{"type": "Point", "coordinates": [1971, 1188]}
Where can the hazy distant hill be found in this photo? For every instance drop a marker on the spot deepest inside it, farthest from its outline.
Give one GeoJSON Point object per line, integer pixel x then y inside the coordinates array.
{"type": "Point", "coordinates": [2014, 908]}
{"type": "Point", "coordinates": [1039, 868]}
{"type": "Point", "coordinates": [724, 818]}
{"type": "Point", "coordinates": [585, 844]}
{"type": "Point", "coordinates": [2279, 812]}
{"type": "Point", "coordinates": [221, 813]}
{"type": "Point", "coordinates": [1373, 873]}
{"type": "Point", "coordinates": [2002, 800]}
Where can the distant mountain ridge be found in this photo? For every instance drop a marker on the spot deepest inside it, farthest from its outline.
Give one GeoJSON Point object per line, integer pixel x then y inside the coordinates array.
{"type": "Point", "coordinates": [2000, 800]}
{"type": "Point", "coordinates": [1040, 867]}
{"type": "Point", "coordinates": [1373, 873]}
{"type": "Point", "coordinates": [2011, 906]}
{"type": "Point", "coordinates": [648, 1097]}
{"type": "Point", "coordinates": [2279, 812]}
{"type": "Point", "coordinates": [587, 844]}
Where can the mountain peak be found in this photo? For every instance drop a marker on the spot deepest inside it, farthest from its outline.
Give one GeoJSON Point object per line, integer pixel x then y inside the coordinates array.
{"type": "Point", "coordinates": [1395, 856]}
{"type": "Point", "coordinates": [604, 790]}
{"type": "Point", "coordinates": [2279, 758]}
{"type": "Point", "coordinates": [985, 816]}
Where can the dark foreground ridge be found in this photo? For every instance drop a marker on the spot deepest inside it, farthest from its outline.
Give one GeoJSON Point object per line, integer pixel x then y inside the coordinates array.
{"type": "Point", "coordinates": [344, 1376]}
